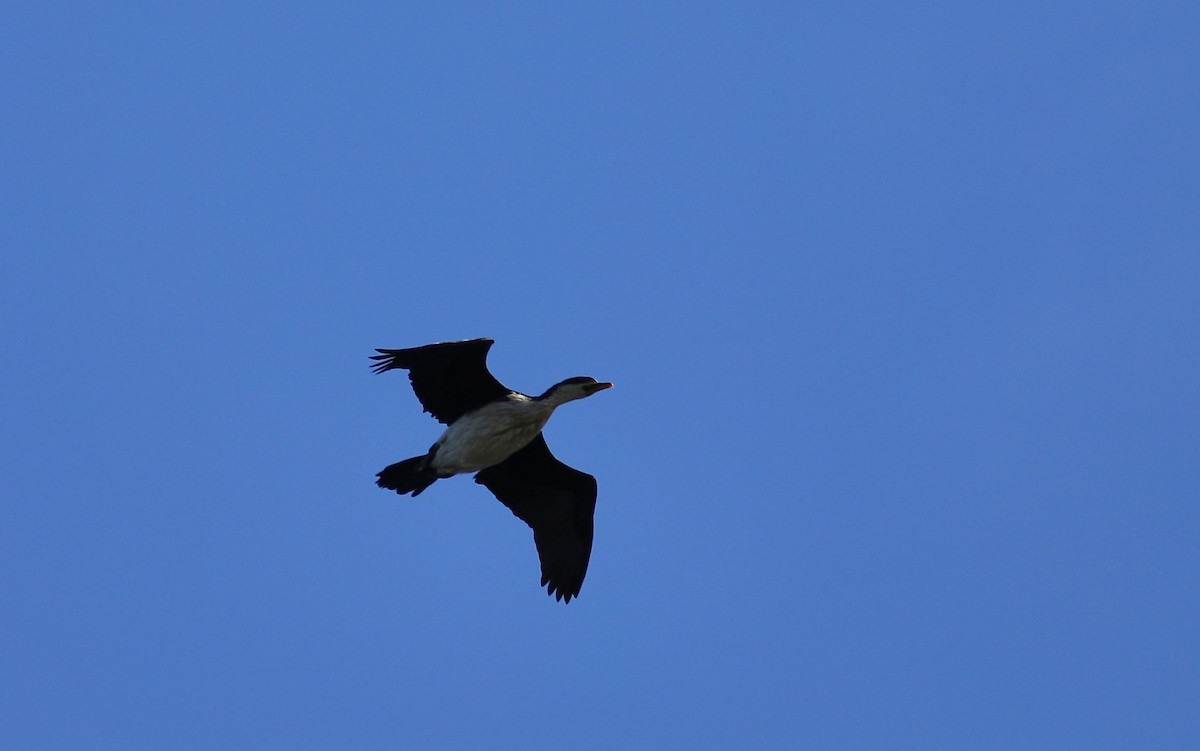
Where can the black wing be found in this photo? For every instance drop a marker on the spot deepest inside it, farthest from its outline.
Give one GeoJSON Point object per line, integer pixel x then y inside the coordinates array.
{"type": "Point", "coordinates": [449, 379]}
{"type": "Point", "coordinates": [558, 502]}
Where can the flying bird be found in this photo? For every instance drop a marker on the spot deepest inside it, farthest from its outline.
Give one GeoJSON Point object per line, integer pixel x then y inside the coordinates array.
{"type": "Point", "coordinates": [497, 433]}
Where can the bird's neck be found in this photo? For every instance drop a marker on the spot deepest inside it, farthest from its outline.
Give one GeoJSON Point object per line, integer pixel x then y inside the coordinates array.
{"type": "Point", "coordinates": [554, 398]}
{"type": "Point", "coordinates": [546, 403]}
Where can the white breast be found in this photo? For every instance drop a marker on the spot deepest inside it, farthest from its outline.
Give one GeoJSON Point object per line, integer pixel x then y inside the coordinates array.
{"type": "Point", "coordinates": [490, 434]}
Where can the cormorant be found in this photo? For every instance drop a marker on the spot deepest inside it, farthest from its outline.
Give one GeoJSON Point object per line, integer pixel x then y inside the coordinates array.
{"type": "Point", "coordinates": [497, 433]}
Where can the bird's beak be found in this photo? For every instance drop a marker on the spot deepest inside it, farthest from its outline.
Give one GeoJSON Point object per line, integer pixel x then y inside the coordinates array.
{"type": "Point", "coordinates": [594, 387]}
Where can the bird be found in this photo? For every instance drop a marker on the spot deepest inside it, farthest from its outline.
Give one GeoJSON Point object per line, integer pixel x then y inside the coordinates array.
{"type": "Point", "coordinates": [496, 433]}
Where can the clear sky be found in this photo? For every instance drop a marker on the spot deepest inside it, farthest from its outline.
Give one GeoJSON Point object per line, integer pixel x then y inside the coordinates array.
{"type": "Point", "coordinates": [900, 301]}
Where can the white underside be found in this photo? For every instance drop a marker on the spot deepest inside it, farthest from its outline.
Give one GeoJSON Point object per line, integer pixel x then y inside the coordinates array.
{"type": "Point", "coordinates": [490, 434]}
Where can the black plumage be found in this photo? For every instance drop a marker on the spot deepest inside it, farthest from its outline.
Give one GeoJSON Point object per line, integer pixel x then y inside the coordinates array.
{"type": "Point", "coordinates": [558, 502]}
{"type": "Point", "coordinates": [449, 379]}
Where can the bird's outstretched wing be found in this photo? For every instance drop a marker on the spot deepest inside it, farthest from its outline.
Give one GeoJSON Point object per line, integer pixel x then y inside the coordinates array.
{"type": "Point", "coordinates": [558, 502]}
{"type": "Point", "coordinates": [450, 379]}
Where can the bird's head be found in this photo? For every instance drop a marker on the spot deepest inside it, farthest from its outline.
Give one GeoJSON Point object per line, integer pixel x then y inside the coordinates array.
{"type": "Point", "coordinates": [574, 388]}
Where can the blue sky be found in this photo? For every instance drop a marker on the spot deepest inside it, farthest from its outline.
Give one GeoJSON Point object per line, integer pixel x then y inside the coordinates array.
{"type": "Point", "coordinates": [900, 301]}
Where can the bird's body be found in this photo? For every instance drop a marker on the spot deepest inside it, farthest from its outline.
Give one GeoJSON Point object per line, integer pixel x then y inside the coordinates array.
{"type": "Point", "coordinates": [489, 435]}
{"type": "Point", "coordinates": [496, 432]}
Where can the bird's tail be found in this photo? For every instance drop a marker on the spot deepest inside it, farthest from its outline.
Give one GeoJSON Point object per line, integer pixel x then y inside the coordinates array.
{"type": "Point", "coordinates": [409, 476]}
